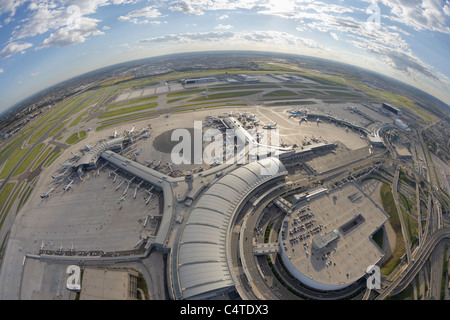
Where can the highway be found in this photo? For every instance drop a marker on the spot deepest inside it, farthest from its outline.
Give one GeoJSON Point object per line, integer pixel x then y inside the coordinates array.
{"type": "Point", "coordinates": [418, 261]}
{"type": "Point", "coordinates": [400, 215]}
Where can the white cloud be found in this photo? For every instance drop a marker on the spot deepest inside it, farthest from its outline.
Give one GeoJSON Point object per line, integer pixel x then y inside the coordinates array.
{"type": "Point", "coordinates": [34, 74]}
{"type": "Point", "coordinates": [275, 39]}
{"type": "Point", "coordinates": [141, 15]}
{"type": "Point", "coordinates": [420, 15]}
{"type": "Point", "coordinates": [106, 28]}
{"type": "Point", "coordinates": [66, 36]}
{"type": "Point", "coordinates": [1, 70]}
{"type": "Point", "coordinates": [13, 48]}
{"type": "Point", "coordinates": [222, 17]}
{"type": "Point", "coordinates": [223, 27]}
{"type": "Point", "coordinates": [334, 35]}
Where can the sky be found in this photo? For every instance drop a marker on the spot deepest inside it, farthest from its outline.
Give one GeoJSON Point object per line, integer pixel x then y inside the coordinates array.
{"type": "Point", "coordinates": [45, 42]}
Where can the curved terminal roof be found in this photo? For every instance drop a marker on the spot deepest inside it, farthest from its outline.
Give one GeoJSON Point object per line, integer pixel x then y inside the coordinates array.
{"type": "Point", "coordinates": [94, 153]}
{"type": "Point", "coordinates": [202, 259]}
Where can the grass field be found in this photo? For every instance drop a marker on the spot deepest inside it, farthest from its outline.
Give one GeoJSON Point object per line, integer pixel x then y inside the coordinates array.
{"type": "Point", "coordinates": [42, 157]}
{"type": "Point", "coordinates": [123, 111]}
{"type": "Point", "coordinates": [52, 158]}
{"type": "Point", "coordinates": [225, 95]}
{"type": "Point", "coordinates": [281, 93]}
{"type": "Point", "coordinates": [13, 159]}
{"type": "Point", "coordinates": [175, 100]}
{"type": "Point", "coordinates": [39, 133]}
{"type": "Point", "coordinates": [185, 93]}
{"type": "Point", "coordinates": [134, 101]}
{"type": "Point", "coordinates": [389, 207]}
{"type": "Point", "coordinates": [75, 137]}
{"type": "Point", "coordinates": [4, 194]}
{"type": "Point", "coordinates": [25, 163]}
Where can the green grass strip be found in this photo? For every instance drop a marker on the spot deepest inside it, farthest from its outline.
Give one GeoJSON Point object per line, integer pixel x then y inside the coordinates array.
{"type": "Point", "coordinates": [122, 111]}
{"type": "Point", "coordinates": [25, 163]}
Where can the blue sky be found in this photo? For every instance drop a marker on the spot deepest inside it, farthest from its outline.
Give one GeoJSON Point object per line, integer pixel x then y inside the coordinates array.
{"type": "Point", "coordinates": [45, 42]}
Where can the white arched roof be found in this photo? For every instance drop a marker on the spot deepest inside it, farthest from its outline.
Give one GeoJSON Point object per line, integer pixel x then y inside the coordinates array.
{"type": "Point", "coordinates": [202, 258]}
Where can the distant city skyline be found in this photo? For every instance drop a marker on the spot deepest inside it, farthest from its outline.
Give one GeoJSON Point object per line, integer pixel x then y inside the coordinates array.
{"type": "Point", "coordinates": [45, 42]}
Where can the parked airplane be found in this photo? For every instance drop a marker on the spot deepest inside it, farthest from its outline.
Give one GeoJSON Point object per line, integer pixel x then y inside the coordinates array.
{"type": "Point", "coordinates": [255, 123]}
{"type": "Point", "coordinates": [131, 130]}
{"type": "Point", "coordinates": [67, 187]}
{"type": "Point", "coordinates": [59, 176]}
{"type": "Point", "coordinates": [303, 119]}
{"type": "Point", "coordinates": [251, 117]}
{"type": "Point", "coordinates": [167, 115]}
{"type": "Point", "coordinates": [47, 194]}
{"type": "Point", "coordinates": [75, 155]}
{"type": "Point", "coordinates": [346, 129]}
{"type": "Point", "coordinates": [114, 135]}
{"type": "Point", "coordinates": [137, 152]}
{"type": "Point", "coordinates": [147, 135]}
{"type": "Point", "coordinates": [283, 144]}
{"type": "Point", "coordinates": [270, 126]}
{"type": "Point", "coordinates": [318, 120]}
{"type": "Point", "coordinates": [87, 147]}
{"type": "Point", "coordinates": [208, 124]}
{"type": "Point", "coordinates": [314, 139]}
{"type": "Point", "coordinates": [204, 93]}
{"type": "Point", "coordinates": [65, 164]}
{"type": "Point", "coordinates": [296, 112]}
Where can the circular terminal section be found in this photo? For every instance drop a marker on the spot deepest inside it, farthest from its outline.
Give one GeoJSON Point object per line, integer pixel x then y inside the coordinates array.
{"type": "Point", "coordinates": [326, 241]}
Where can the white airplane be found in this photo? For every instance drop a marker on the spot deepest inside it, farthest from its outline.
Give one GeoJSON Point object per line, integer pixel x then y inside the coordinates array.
{"type": "Point", "coordinates": [131, 130]}
{"type": "Point", "coordinates": [283, 144]}
{"type": "Point", "coordinates": [65, 164]}
{"type": "Point", "coordinates": [87, 147]}
{"type": "Point", "coordinates": [114, 135]}
{"type": "Point", "coordinates": [303, 119]}
{"type": "Point", "coordinates": [270, 126]}
{"type": "Point", "coordinates": [149, 163]}
{"type": "Point", "coordinates": [314, 139]}
{"type": "Point", "coordinates": [204, 93]}
{"type": "Point", "coordinates": [318, 120]}
{"type": "Point", "coordinates": [68, 186]}
{"type": "Point", "coordinates": [251, 117]}
{"type": "Point", "coordinates": [346, 129]}
{"type": "Point", "coordinates": [123, 198]}
{"type": "Point", "coordinates": [255, 123]}
{"type": "Point", "coordinates": [59, 176]}
{"type": "Point", "coordinates": [137, 152]}
{"type": "Point", "coordinates": [47, 194]}
{"type": "Point", "coordinates": [147, 135]}
{"type": "Point", "coordinates": [75, 155]}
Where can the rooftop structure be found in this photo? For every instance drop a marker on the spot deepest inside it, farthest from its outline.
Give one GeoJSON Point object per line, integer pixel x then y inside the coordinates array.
{"type": "Point", "coordinates": [392, 109]}
{"type": "Point", "coordinates": [89, 160]}
{"type": "Point", "coordinates": [402, 152]}
{"type": "Point", "coordinates": [401, 124]}
{"type": "Point", "coordinates": [201, 266]}
{"type": "Point", "coordinates": [326, 242]}
{"type": "Point", "coordinates": [103, 284]}
{"type": "Point", "coordinates": [200, 80]}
